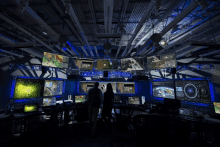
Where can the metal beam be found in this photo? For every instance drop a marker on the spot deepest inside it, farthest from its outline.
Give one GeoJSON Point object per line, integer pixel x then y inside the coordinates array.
{"type": "Point", "coordinates": [8, 52]}
{"type": "Point", "coordinates": [78, 25]}
{"type": "Point", "coordinates": [96, 51]}
{"type": "Point", "coordinates": [4, 55]}
{"type": "Point", "coordinates": [111, 5]}
{"type": "Point", "coordinates": [84, 51]}
{"type": "Point", "coordinates": [119, 48]}
{"type": "Point", "coordinates": [144, 18]}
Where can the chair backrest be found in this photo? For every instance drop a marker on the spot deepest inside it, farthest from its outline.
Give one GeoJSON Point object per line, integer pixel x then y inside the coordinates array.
{"type": "Point", "coordinates": [82, 113]}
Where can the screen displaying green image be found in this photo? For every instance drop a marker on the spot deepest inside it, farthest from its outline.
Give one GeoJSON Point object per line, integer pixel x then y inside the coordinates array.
{"type": "Point", "coordinates": [30, 108]}
{"type": "Point", "coordinates": [28, 88]}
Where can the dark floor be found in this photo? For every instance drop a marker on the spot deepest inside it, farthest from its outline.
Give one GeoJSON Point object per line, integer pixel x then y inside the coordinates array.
{"type": "Point", "coordinates": [78, 135]}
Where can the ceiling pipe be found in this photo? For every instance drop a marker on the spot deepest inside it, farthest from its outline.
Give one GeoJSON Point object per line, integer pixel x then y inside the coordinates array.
{"type": "Point", "coordinates": [96, 51]}
{"type": "Point", "coordinates": [26, 32]}
{"type": "Point", "coordinates": [181, 16]}
{"type": "Point", "coordinates": [4, 55]}
{"type": "Point", "coordinates": [119, 48]}
{"type": "Point", "coordinates": [165, 15]}
{"type": "Point", "coordinates": [8, 52]}
{"type": "Point", "coordinates": [105, 5]}
{"type": "Point", "coordinates": [111, 5]}
{"type": "Point", "coordinates": [144, 18]}
{"type": "Point", "coordinates": [188, 50]}
{"type": "Point", "coordinates": [78, 25]}
{"type": "Point", "coordinates": [84, 50]}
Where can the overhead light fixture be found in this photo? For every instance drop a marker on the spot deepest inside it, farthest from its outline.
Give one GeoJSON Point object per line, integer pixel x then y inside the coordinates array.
{"type": "Point", "coordinates": [45, 33]}
{"type": "Point", "coordinates": [163, 43]}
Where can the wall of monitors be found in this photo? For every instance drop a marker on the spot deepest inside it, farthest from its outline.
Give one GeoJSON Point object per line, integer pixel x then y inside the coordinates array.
{"type": "Point", "coordinates": [130, 64]}
{"type": "Point", "coordinates": [34, 88]}
{"type": "Point", "coordinates": [161, 62]}
{"type": "Point", "coordinates": [118, 87]}
{"type": "Point", "coordinates": [104, 64]}
{"type": "Point", "coordinates": [194, 91]}
{"type": "Point", "coordinates": [54, 60]}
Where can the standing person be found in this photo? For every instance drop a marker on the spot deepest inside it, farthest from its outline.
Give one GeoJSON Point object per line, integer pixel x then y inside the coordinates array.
{"type": "Point", "coordinates": [94, 102]}
{"type": "Point", "coordinates": [108, 105]}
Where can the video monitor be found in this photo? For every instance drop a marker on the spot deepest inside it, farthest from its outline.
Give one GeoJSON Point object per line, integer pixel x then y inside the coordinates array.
{"type": "Point", "coordinates": [104, 64]}
{"type": "Point", "coordinates": [125, 87]}
{"type": "Point", "coordinates": [49, 102]}
{"type": "Point", "coordinates": [163, 89]}
{"type": "Point", "coordinates": [161, 62]}
{"type": "Point", "coordinates": [129, 64]}
{"type": "Point", "coordinates": [143, 99]}
{"type": "Point", "coordinates": [80, 98]}
{"type": "Point", "coordinates": [85, 64]}
{"type": "Point", "coordinates": [135, 100]}
{"type": "Point", "coordinates": [194, 91]}
{"type": "Point", "coordinates": [54, 60]}
{"type": "Point", "coordinates": [85, 86]}
{"type": "Point", "coordinates": [53, 87]}
{"type": "Point", "coordinates": [28, 88]}
{"type": "Point", "coordinates": [217, 107]}
{"type": "Point", "coordinates": [30, 108]}
{"type": "Point", "coordinates": [103, 86]}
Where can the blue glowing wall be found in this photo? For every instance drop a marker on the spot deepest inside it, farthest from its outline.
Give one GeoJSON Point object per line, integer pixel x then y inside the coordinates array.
{"type": "Point", "coordinates": [70, 89]}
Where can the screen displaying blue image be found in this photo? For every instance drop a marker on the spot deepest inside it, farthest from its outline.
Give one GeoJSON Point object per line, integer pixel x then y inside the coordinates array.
{"type": "Point", "coordinates": [52, 88]}
{"type": "Point", "coordinates": [164, 89]}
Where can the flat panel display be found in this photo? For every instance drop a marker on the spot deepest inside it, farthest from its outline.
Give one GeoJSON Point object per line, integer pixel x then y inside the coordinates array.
{"type": "Point", "coordinates": [103, 86]}
{"type": "Point", "coordinates": [30, 108]}
{"type": "Point", "coordinates": [164, 89]}
{"type": "Point", "coordinates": [80, 98]}
{"type": "Point", "coordinates": [85, 64]}
{"type": "Point", "coordinates": [28, 88]}
{"type": "Point", "coordinates": [125, 87]}
{"type": "Point", "coordinates": [129, 64]}
{"type": "Point", "coordinates": [161, 62]}
{"type": "Point", "coordinates": [217, 107]}
{"type": "Point", "coordinates": [52, 88]}
{"type": "Point", "coordinates": [104, 64]}
{"type": "Point", "coordinates": [54, 60]}
{"type": "Point", "coordinates": [195, 91]}
{"type": "Point", "coordinates": [49, 101]}
{"type": "Point", "coordinates": [135, 100]}
{"type": "Point", "coordinates": [85, 86]}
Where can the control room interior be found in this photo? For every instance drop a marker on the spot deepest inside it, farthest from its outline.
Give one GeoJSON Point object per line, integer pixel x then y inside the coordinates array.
{"type": "Point", "coordinates": [162, 58]}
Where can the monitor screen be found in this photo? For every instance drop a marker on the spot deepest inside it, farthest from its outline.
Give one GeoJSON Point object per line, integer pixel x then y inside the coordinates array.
{"type": "Point", "coordinates": [85, 86]}
{"type": "Point", "coordinates": [80, 98]}
{"type": "Point", "coordinates": [54, 60]}
{"type": "Point", "coordinates": [103, 86]}
{"type": "Point", "coordinates": [49, 101]}
{"type": "Point", "coordinates": [52, 88]}
{"type": "Point", "coordinates": [104, 64]}
{"type": "Point", "coordinates": [28, 88]}
{"type": "Point", "coordinates": [30, 108]}
{"type": "Point", "coordinates": [129, 64]}
{"type": "Point", "coordinates": [195, 91]}
{"type": "Point", "coordinates": [135, 100]}
{"type": "Point", "coordinates": [217, 107]}
{"type": "Point", "coordinates": [125, 87]}
{"type": "Point", "coordinates": [161, 62]}
{"type": "Point", "coordinates": [86, 64]}
{"type": "Point", "coordinates": [163, 89]}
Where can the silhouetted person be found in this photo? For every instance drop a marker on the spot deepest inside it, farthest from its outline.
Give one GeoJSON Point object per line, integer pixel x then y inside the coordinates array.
{"type": "Point", "coordinates": [94, 101]}
{"type": "Point", "coordinates": [108, 105]}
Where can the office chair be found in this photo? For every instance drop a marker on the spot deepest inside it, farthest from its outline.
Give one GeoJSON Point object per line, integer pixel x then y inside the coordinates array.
{"type": "Point", "coordinates": [151, 129]}
{"type": "Point", "coordinates": [123, 123]}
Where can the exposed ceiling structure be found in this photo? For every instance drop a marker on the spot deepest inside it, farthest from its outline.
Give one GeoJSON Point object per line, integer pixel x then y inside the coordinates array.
{"type": "Point", "coordinates": [81, 27]}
